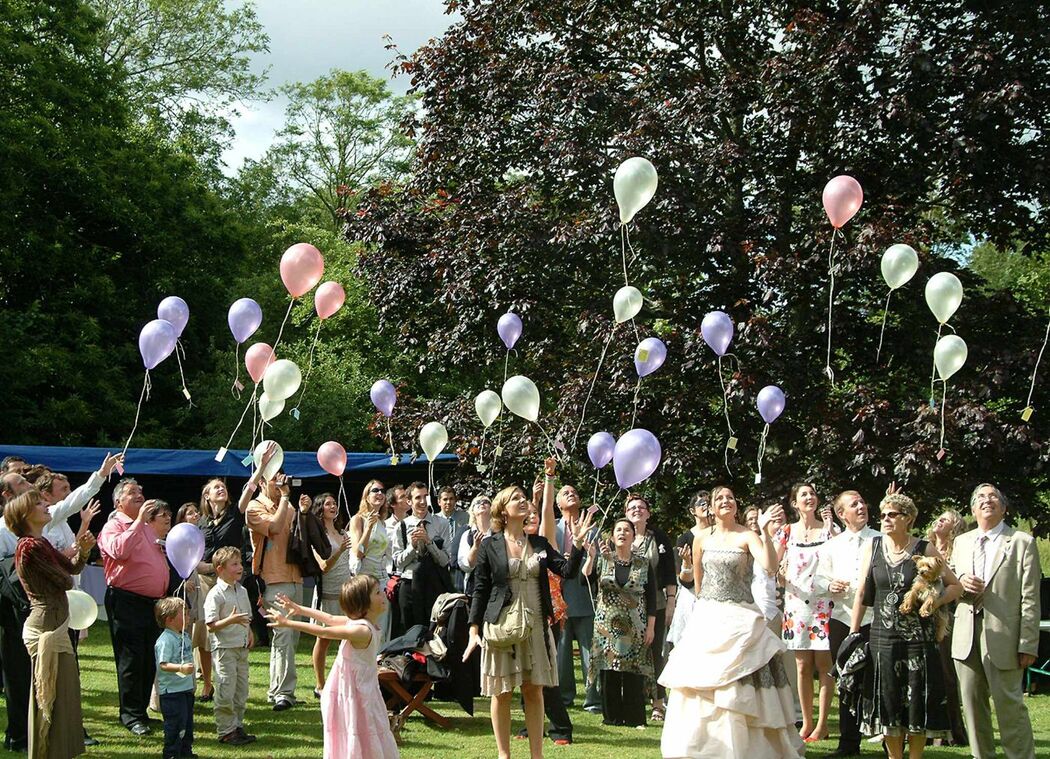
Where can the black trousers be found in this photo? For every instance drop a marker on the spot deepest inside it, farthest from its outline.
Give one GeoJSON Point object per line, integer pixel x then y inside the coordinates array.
{"type": "Point", "coordinates": [177, 709]}
{"type": "Point", "coordinates": [17, 673]}
{"type": "Point", "coordinates": [623, 698]}
{"type": "Point", "coordinates": [657, 648]}
{"type": "Point", "coordinates": [134, 631]}
{"type": "Point", "coordinates": [849, 732]}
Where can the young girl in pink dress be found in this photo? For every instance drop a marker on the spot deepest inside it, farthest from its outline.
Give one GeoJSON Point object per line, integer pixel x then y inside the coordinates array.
{"type": "Point", "coordinates": [352, 707]}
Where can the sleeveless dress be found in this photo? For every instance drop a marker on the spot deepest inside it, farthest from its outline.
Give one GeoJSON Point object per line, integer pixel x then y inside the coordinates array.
{"type": "Point", "coordinates": [374, 563]}
{"type": "Point", "coordinates": [619, 622]}
{"type": "Point", "coordinates": [535, 659]}
{"type": "Point", "coordinates": [807, 615]}
{"type": "Point", "coordinates": [903, 683]}
{"type": "Point", "coordinates": [728, 691]}
{"type": "Point", "coordinates": [352, 707]}
{"type": "Point", "coordinates": [332, 580]}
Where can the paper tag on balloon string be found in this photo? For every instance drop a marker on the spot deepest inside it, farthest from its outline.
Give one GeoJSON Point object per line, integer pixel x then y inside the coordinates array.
{"type": "Point", "coordinates": [941, 454]}
{"type": "Point", "coordinates": [643, 355]}
{"type": "Point", "coordinates": [295, 413]}
{"type": "Point", "coordinates": [247, 460]}
{"type": "Point", "coordinates": [731, 445]}
{"type": "Point", "coordinates": [499, 451]}
{"type": "Point", "coordinates": [559, 445]}
{"type": "Point", "coordinates": [1027, 413]}
{"type": "Point", "coordinates": [482, 468]}
{"type": "Point", "coordinates": [592, 510]}
{"type": "Point", "coordinates": [933, 402]}
{"type": "Point", "coordinates": [395, 460]}
{"type": "Point", "coordinates": [239, 385]}
{"type": "Point", "coordinates": [758, 479]}
{"type": "Point", "coordinates": [221, 454]}
{"type": "Point", "coordinates": [120, 468]}
{"type": "Point", "coordinates": [186, 393]}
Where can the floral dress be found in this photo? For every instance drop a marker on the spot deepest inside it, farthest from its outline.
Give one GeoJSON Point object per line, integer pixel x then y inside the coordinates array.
{"type": "Point", "coordinates": [903, 688]}
{"type": "Point", "coordinates": [806, 613]}
{"type": "Point", "coordinates": [619, 621]}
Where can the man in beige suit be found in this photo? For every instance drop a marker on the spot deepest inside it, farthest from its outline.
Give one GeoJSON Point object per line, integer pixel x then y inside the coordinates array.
{"type": "Point", "coordinates": [996, 626]}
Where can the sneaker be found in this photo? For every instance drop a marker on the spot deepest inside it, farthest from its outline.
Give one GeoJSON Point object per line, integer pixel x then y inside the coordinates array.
{"type": "Point", "coordinates": [593, 709]}
{"type": "Point", "coordinates": [234, 738]}
{"type": "Point", "coordinates": [282, 703]}
{"type": "Point", "coordinates": [249, 738]}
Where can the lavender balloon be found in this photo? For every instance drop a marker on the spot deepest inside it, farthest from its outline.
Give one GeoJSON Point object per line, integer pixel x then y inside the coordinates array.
{"type": "Point", "coordinates": [509, 328]}
{"type": "Point", "coordinates": [384, 396]}
{"type": "Point", "coordinates": [770, 403]}
{"type": "Point", "coordinates": [185, 548]}
{"type": "Point", "coordinates": [636, 457]}
{"type": "Point", "coordinates": [600, 449]}
{"type": "Point", "coordinates": [156, 342]}
{"type": "Point", "coordinates": [654, 352]}
{"type": "Point", "coordinates": [174, 309]}
{"type": "Point", "coordinates": [717, 329]}
{"type": "Point", "coordinates": [244, 317]}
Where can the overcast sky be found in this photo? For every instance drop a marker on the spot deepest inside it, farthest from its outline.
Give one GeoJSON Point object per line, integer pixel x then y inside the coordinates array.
{"type": "Point", "coordinates": [308, 38]}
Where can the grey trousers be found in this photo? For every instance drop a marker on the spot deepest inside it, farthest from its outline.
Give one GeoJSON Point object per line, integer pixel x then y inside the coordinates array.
{"type": "Point", "coordinates": [282, 645]}
{"type": "Point", "coordinates": [979, 678]}
{"type": "Point", "coordinates": [230, 676]}
{"type": "Point", "coordinates": [580, 630]}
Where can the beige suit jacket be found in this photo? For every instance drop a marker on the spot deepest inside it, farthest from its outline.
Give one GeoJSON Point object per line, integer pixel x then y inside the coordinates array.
{"type": "Point", "coordinates": [1010, 599]}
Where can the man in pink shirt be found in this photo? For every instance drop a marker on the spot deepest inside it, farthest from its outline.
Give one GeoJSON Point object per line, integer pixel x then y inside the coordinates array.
{"type": "Point", "coordinates": [136, 576]}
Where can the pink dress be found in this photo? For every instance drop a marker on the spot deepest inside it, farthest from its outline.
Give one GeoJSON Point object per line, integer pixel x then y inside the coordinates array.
{"type": "Point", "coordinates": [352, 707]}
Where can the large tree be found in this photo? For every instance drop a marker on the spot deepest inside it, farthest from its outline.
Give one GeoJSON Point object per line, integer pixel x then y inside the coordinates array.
{"type": "Point", "coordinates": [938, 108]}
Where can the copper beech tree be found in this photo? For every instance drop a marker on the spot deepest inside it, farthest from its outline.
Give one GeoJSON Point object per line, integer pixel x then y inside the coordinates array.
{"type": "Point", "coordinates": [746, 109]}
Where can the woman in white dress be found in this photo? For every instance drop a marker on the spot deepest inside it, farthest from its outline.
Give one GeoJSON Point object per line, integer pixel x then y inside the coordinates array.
{"type": "Point", "coordinates": [729, 694]}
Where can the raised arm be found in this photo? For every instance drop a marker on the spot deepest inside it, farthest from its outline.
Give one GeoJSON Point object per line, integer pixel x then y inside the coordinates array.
{"type": "Point", "coordinates": [547, 523]}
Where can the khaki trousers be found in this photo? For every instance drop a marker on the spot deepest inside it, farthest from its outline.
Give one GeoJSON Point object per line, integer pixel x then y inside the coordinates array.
{"type": "Point", "coordinates": [230, 676]}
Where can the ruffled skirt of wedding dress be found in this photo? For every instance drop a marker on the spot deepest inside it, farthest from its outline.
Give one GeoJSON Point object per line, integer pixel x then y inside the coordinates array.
{"type": "Point", "coordinates": [728, 692]}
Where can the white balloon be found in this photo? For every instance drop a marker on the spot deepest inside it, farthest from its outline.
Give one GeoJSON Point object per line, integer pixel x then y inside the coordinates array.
{"type": "Point", "coordinates": [944, 293]}
{"type": "Point", "coordinates": [949, 355]}
{"type": "Point", "coordinates": [433, 437]}
{"type": "Point", "coordinates": [899, 264]}
{"type": "Point", "coordinates": [626, 303]}
{"type": "Point", "coordinates": [83, 611]}
{"type": "Point", "coordinates": [634, 186]}
{"type": "Point", "coordinates": [488, 405]}
{"type": "Point", "coordinates": [522, 398]}
{"type": "Point", "coordinates": [275, 463]}
{"type": "Point", "coordinates": [269, 408]}
{"type": "Point", "coordinates": [282, 379]}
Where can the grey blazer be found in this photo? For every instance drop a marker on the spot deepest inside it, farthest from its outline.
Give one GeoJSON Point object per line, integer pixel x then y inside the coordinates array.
{"type": "Point", "coordinates": [1010, 598]}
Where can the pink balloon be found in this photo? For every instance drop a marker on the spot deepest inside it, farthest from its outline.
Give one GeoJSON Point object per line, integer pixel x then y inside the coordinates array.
{"type": "Point", "coordinates": [842, 199]}
{"type": "Point", "coordinates": [301, 268]}
{"type": "Point", "coordinates": [258, 358]}
{"type": "Point", "coordinates": [332, 458]}
{"type": "Point", "coordinates": [329, 298]}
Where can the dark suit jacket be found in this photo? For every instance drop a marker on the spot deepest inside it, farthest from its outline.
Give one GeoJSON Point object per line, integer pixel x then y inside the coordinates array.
{"type": "Point", "coordinates": [491, 581]}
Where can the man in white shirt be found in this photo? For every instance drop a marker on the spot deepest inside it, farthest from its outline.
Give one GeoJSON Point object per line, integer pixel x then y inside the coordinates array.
{"type": "Point", "coordinates": [420, 535]}
{"type": "Point", "coordinates": [996, 633]}
{"type": "Point", "coordinates": [837, 569]}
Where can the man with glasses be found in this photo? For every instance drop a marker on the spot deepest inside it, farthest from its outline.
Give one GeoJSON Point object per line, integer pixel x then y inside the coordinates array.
{"type": "Point", "coordinates": [996, 633]}
{"type": "Point", "coordinates": [839, 561]}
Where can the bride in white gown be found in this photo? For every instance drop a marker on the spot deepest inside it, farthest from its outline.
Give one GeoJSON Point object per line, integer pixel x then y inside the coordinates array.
{"type": "Point", "coordinates": [728, 691]}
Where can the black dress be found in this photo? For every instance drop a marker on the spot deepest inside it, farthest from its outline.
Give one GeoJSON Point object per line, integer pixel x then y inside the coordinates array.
{"type": "Point", "coordinates": [903, 684]}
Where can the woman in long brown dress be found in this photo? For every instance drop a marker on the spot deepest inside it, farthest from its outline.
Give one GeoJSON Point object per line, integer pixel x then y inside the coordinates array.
{"type": "Point", "coordinates": [56, 729]}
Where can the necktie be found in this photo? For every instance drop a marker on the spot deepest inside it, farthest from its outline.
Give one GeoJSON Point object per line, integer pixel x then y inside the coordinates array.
{"type": "Point", "coordinates": [978, 569]}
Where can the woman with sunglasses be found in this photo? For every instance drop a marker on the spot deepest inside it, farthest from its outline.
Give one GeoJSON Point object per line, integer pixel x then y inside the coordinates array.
{"type": "Point", "coordinates": [370, 542]}
{"type": "Point", "coordinates": [903, 694]}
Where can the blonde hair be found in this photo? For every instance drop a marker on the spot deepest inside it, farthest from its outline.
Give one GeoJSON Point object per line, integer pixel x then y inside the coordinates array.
{"type": "Point", "coordinates": [364, 507]}
{"type": "Point", "coordinates": [166, 608]}
{"type": "Point", "coordinates": [498, 509]}
{"type": "Point", "coordinates": [956, 531]}
{"type": "Point", "coordinates": [225, 555]}
{"type": "Point", "coordinates": [903, 503]}
{"type": "Point", "coordinates": [206, 507]}
{"type": "Point", "coordinates": [17, 511]}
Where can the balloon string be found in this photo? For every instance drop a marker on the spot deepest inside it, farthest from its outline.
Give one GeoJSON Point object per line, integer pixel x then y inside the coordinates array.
{"type": "Point", "coordinates": [389, 435]}
{"type": "Point", "coordinates": [310, 364]}
{"type": "Point", "coordinates": [623, 252]}
{"type": "Point", "coordinates": [144, 395]}
{"type": "Point", "coordinates": [551, 449]}
{"type": "Point", "coordinates": [430, 476]}
{"type": "Point", "coordinates": [626, 230]}
{"type": "Point", "coordinates": [831, 299]}
{"type": "Point", "coordinates": [637, 389]}
{"type": "Point", "coordinates": [342, 497]}
{"type": "Point", "coordinates": [499, 419]}
{"type": "Point", "coordinates": [725, 396]}
{"type": "Point", "coordinates": [583, 414]}
{"type": "Point", "coordinates": [882, 332]}
{"type": "Point", "coordinates": [481, 453]}
{"type": "Point", "coordinates": [594, 498]}
{"type": "Point", "coordinates": [933, 372]}
{"type": "Point", "coordinates": [1035, 371]}
{"type": "Point", "coordinates": [243, 414]}
{"type": "Point", "coordinates": [281, 330]}
{"type": "Point", "coordinates": [762, 451]}
{"type": "Point", "coordinates": [944, 397]}
{"type": "Point", "coordinates": [237, 373]}
{"type": "Point", "coordinates": [180, 350]}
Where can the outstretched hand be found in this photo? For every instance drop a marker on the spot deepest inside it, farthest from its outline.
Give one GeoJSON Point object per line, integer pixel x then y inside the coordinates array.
{"type": "Point", "coordinates": [580, 527]}
{"type": "Point", "coordinates": [275, 618]}
{"type": "Point", "coordinates": [286, 604]}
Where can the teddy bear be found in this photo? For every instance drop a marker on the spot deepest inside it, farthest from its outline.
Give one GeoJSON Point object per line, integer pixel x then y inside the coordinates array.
{"type": "Point", "coordinates": [925, 591]}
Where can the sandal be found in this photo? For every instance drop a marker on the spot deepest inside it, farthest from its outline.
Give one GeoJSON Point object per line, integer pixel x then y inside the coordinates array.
{"type": "Point", "coordinates": [657, 715]}
{"type": "Point", "coordinates": [209, 697]}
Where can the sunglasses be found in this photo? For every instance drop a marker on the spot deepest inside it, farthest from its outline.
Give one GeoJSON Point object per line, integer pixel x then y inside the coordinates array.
{"type": "Point", "coordinates": [891, 514]}
{"type": "Point", "coordinates": [373, 491]}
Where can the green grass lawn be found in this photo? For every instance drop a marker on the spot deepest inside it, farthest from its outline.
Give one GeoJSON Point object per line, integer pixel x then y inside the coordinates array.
{"type": "Point", "coordinates": [297, 732]}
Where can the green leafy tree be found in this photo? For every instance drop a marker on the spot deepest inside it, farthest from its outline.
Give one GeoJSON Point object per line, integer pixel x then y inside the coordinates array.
{"type": "Point", "coordinates": [747, 109]}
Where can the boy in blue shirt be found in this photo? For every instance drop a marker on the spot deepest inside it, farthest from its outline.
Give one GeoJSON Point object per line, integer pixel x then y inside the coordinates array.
{"type": "Point", "coordinates": [175, 683]}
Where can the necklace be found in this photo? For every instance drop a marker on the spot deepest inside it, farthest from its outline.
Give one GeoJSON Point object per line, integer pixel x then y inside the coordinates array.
{"type": "Point", "coordinates": [519, 543]}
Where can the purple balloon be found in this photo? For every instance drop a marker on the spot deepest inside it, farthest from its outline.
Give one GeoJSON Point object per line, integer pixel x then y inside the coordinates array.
{"type": "Point", "coordinates": [185, 548]}
{"type": "Point", "coordinates": [156, 342]}
{"type": "Point", "coordinates": [770, 403]}
{"type": "Point", "coordinates": [384, 396]}
{"type": "Point", "coordinates": [636, 457]}
{"type": "Point", "coordinates": [244, 317]}
{"type": "Point", "coordinates": [600, 449]}
{"type": "Point", "coordinates": [509, 328]}
{"type": "Point", "coordinates": [655, 353]}
{"type": "Point", "coordinates": [174, 309]}
{"type": "Point", "coordinates": [717, 329]}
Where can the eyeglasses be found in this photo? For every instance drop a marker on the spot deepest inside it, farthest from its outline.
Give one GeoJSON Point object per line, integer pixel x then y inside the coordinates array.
{"type": "Point", "coordinates": [891, 514]}
{"type": "Point", "coordinates": [374, 491]}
